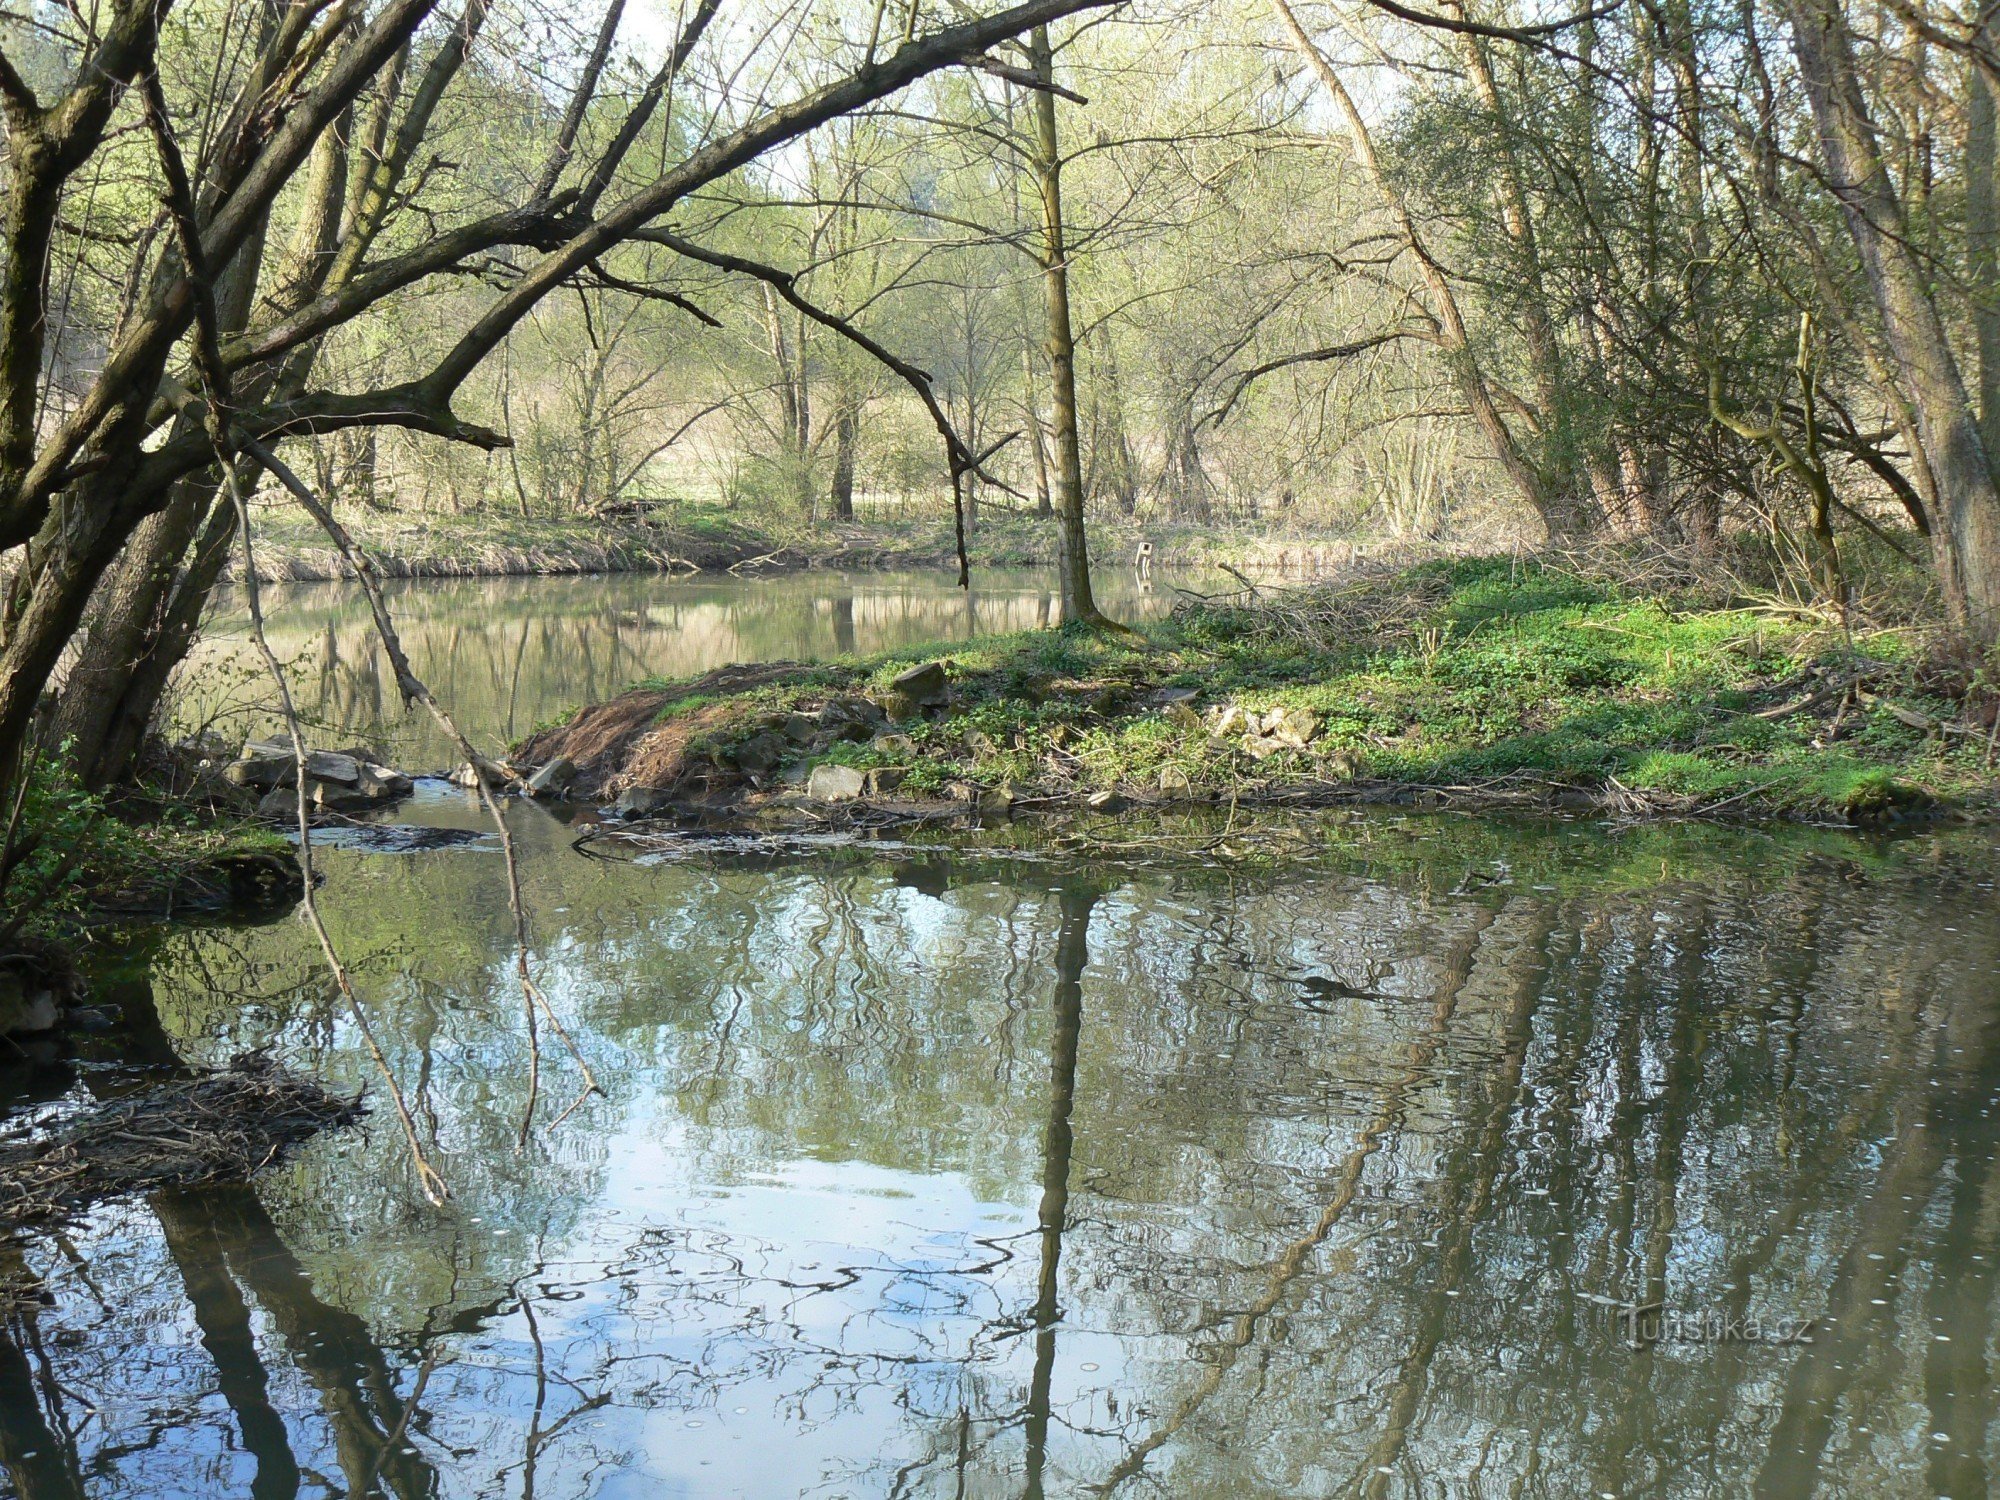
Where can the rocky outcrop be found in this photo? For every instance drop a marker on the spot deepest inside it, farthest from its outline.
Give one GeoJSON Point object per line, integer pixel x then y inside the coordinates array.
{"type": "Point", "coordinates": [336, 780]}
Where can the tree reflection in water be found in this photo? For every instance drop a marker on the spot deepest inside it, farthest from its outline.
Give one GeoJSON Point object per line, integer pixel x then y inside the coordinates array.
{"type": "Point", "coordinates": [947, 1174]}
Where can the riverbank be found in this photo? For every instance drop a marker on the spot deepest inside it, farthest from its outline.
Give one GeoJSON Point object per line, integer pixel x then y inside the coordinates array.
{"type": "Point", "coordinates": [1494, 682]}
{"type": "Point", "coordinates": [707, 539]}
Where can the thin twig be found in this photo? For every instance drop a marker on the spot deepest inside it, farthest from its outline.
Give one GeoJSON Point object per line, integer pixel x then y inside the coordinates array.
{"type": "Point", "coordinates": [214, 378]}
{"type": "Point", "coordinates": [413, 690]}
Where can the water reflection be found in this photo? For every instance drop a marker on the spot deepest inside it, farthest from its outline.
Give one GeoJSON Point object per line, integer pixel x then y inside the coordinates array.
{"type": "Point", "coordinates": [941, 1174]}
{"type": "Point", "coordinates": [507, 654]}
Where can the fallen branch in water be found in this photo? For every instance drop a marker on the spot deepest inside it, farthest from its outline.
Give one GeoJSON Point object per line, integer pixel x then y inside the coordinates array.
{"type": "Point", "coordinates": [219, 1127]}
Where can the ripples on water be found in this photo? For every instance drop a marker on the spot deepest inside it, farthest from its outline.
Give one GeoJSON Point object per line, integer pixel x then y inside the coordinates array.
{"type": "Point", "coordinates": [944, 1174]}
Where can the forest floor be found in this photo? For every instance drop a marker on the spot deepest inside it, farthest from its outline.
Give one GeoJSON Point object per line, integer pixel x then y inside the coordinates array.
{"type": "Point", "coordinates": [710, 539]}
{"type": "Point", "coordinates": [1635, 689]}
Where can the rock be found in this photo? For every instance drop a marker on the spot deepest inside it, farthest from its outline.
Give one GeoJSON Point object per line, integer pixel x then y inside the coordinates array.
{"type": "Point", "coordinates": [641, 802]}
{"type": "Point", "coordinates": [850, 718]}
{"type": "Point", "coordinates": [1263, 746]}
{"type": "Point", "coordinates": [208, 745]}
{"type": "Point", "coordinates": [325, 765]}
{"type": "Point", "coordinates": [759, 755]}
{"type": "Point", "coordinates": [1107, 802]}
{"type": "Point", "coordinates": [552, 779]}
{"type": "Point", "coordinates": [923, 685]}
{"type": "Point", "coordinates": [331, 796]}
{"type": "Point", "coordinates": [1345, 764]}
{"type": "Point", "coordinates": [1229, 722]}
{"type": "Point", "coordinates": [911, 692]}
{"type": "Point", "coordinates": [261, 768]}
{"type": "Point", "coordinates": [382, 783]}
{"type": "Point", "coordinates": [980, 743]}
{"type": "Point", "coordinates": [831, 783]}
{"type": "Point", "coordinates": [893, 744]}
{"type": "Point", "coordinates": [1174, 781]}
{"type": "Point", "coordinates": [961, 791]}
{"type": "Point", "coordinates": [886, 779]}
{"type": "Point", "coordinates": [1001, 799]}
{"type": "Point", "coordinates": [469, 775]}
{"type": "Point", "coordinates": [25, 1010]}
{"type": "Point", "coordinates": [1296, 727]}
{"type": "Point", "coordinates": [1168, 696]}
{"type": "Point", "coordinates": [844, 710]}
{"type": "Point", "coordinates": [279, 802]}
{"type": "Point", "coordinates": [1179, 712]}
{"type": "Point", "coordinates": [92, 1017]}
{"type": "Point", "coordinates": [799, 729]}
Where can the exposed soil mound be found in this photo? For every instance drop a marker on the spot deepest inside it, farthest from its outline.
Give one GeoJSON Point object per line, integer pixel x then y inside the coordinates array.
{"type": "Point", "coordinates": [622, 744]}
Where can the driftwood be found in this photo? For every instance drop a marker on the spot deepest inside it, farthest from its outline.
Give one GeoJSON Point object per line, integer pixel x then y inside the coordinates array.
{"type": "Point", "coordinates": [215, 1127]}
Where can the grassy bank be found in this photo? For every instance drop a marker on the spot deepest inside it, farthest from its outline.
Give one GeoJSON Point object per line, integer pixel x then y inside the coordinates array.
{"type": "Point", "coordinates": [1471, 682]}
{"type": "Point", "coordinates": [703, 538]}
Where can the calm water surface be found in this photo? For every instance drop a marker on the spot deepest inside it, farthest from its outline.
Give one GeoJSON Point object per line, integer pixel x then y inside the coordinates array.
{"type": "Point", "coordinates": [955, 1172]}
{"type": "Point", "coordinates": [507, 654]}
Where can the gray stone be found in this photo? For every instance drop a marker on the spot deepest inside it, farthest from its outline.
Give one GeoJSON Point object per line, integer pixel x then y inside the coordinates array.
{"type": "Point", "coordinates": [1174, 781]}
{"type": "Point", "coordinates": [1263, 746]}
{"type": "Point", "coordinates": [642, 802]}
{"type": "Point", "coordinates": [1229, 722]}
{"type": "Point", "coordinates": [279, 802]}
{"type": "Point", "coordinates": [262, 770]}
{"type": "Point", "coordinates": [799, 729]}
{"type": "Point", "coordinates": [893, 744]}
{"type": "Point", "coordinates": [759, 755]}
{"type": "Point", "coordinates": [1107, 802]}
{"type": "Point", "coordinates": [831, 783]}
{"type": "Point", "coordinates": [380, 784]}
{"type": "Point", "coordinates": [980, 743]}
{"type": "Point", "coordinates": [331, 796]}
{"type": "Point", "coordinates": [23, 1010]}
{"type": "Point", "coordinates": [998, 799]}
{"type": "Point", "coordinates": [850, 718]}
{"type": "Point", "coordinates": [1182, 714]}
{"type": "Point", "coordinates": [469, 775]}
{"type": "Point", "coordinates": [923, 685]}
{"type": "Point", "coordinates": [886, 779]}
{"type": "Point", "coordinates": [1168, 696]}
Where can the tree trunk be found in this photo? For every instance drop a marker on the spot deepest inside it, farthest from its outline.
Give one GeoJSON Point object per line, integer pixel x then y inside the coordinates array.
{"type": "Point", "coordinates": [1982, 226]}
{"type": "Point", "coordinates": [846, 433]}
{"type": "Point", "coordinates": [1038, 446]}
{"type": "Point", "coordinates": [1967, 542]}
{"type": "Point", "coordinates": [1072, 548]}
{"type": "Point", "coordinates": [1557, 518]}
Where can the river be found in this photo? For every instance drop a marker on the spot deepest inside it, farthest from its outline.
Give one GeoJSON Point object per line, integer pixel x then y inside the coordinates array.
{"type": "Point", "coordinates": [974, 1169]}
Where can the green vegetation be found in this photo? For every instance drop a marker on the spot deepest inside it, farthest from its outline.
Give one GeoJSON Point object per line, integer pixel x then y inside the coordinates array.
{"type": "Point", "coordinates": [71, 859]}
{"type": "Point", "coordinates": [1481, 680]}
